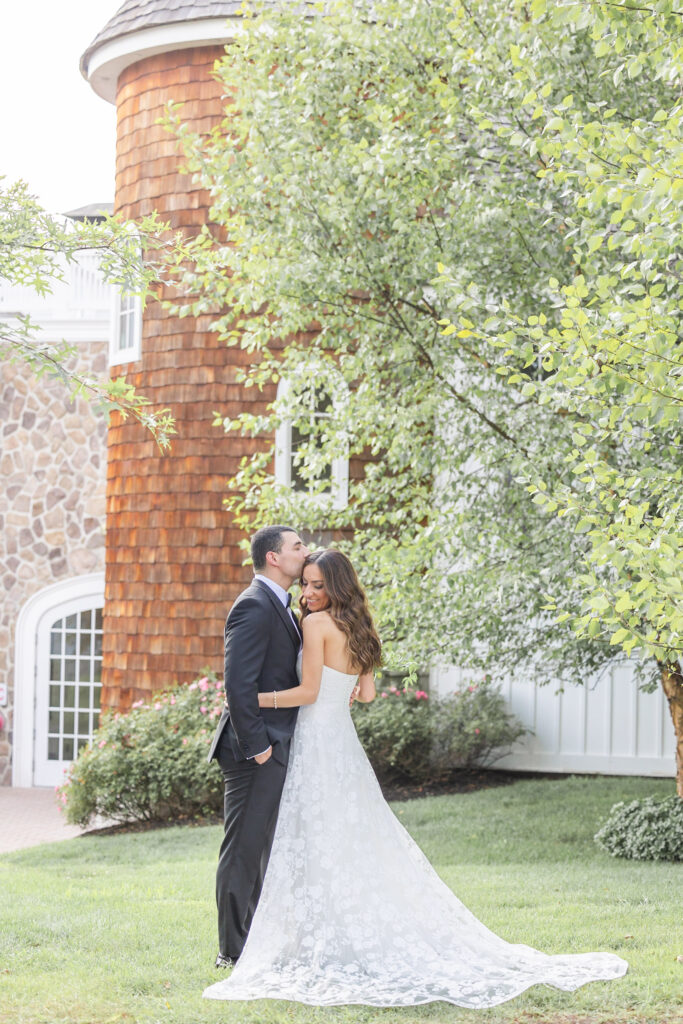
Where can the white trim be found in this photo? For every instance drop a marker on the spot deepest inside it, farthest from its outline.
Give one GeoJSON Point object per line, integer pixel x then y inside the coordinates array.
{"type": "Point", "coordinates": [579, 764]}
{"type": "Point", "coordinates": [119, 356]}
{"type": "Point", "coordinates": [74, 332]}
{"type": "Point", "coordinates": [283, 448]}
{"type": "Point", "coordinates": [340, 482]}
{"type": "Point", "coordinates": [111, 58]}
{"type": "Point", "coordinates": [90, 586]}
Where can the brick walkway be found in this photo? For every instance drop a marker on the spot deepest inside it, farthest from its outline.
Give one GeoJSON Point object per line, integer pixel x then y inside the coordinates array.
{"type": "Point", "coordinates": [29, 817]}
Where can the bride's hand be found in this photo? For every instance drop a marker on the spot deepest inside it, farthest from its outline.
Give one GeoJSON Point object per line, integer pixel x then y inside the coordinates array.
{"type": "Point", "coordinates": [263, 700]}
{"type": "Point", "coordinates": [354, 694]}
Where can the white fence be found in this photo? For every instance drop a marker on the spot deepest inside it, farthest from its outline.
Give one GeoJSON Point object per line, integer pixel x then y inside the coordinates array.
{"type": "Point", "coordinates": [607, 726]}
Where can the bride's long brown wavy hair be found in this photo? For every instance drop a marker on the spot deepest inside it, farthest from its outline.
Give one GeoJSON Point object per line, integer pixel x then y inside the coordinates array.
{"type": "Point", "coordinates": [348, 607]}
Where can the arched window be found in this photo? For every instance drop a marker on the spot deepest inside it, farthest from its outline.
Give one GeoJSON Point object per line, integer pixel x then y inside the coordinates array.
{"type": "Point", "coordinates": [73, 685]}
{"type": "Point", "coordinates": [314, 406]}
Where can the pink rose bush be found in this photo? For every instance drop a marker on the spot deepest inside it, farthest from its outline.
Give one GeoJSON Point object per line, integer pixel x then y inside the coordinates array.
{"type": "Point", "coordinates": [150, 764]}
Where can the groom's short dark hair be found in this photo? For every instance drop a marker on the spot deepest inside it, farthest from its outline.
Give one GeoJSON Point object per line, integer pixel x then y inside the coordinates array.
{"type": "Point", "coordinates": [268, 538]}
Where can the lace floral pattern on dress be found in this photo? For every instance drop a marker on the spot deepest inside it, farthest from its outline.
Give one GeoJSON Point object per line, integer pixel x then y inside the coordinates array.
{"type": "Point", "coordinates": [351, 911]}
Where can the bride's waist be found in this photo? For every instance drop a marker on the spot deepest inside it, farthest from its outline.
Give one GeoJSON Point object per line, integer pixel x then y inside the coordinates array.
{"type": "Point", "coordinates": [329, 702]}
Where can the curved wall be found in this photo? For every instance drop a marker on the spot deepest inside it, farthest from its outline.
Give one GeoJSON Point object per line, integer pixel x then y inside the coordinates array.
{"type": "Point", "coordinates": [173, 564]}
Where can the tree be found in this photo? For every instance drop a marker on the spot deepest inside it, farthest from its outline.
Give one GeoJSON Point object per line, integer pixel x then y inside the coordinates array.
{"type": "Point", "coordinates": [35, 249]}
{"type": "Point", "coordinates": [610, 338]}
{"type": "Point", "coordinates": [417, 206]}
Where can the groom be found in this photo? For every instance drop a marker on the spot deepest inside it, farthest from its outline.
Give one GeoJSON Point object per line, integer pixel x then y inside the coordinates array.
{"type": "Point", "coordinates": [251, 745]}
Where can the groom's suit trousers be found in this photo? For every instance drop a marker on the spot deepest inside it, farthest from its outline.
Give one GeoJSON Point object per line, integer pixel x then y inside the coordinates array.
{"type": "Point", "coordinates": [251, 801]}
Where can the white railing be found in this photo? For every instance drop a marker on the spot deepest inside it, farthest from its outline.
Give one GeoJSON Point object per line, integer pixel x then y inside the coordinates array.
{"type": "Point", "coordinates": [82, 295]}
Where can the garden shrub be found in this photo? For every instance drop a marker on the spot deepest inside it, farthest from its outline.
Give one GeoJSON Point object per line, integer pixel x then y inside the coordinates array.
{"type": "Point", "coordinates": [150, 764]}
{"type": "Point", "coordinates": [473, 728]}
{"type": "Point", "coordinates": [395, 730]}
{"type": "Point", "coordinates": [648, 829]}
{"type": "Point", "coordinates": [405, 732]}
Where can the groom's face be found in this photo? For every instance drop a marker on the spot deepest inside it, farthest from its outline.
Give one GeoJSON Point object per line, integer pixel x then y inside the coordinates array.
{"type": "Point", "coordinates": [292, 555]}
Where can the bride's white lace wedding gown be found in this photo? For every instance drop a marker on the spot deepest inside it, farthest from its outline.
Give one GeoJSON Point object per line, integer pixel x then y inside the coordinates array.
{"type": "Point", "coordinates": [351, 911]}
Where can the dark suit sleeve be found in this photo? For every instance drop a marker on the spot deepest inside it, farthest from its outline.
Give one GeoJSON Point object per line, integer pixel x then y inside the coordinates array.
{"type": "Point", "coordinates": [246, 644]}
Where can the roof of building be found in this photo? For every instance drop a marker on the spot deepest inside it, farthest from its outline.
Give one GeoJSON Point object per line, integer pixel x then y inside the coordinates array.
{"type": "Point", "coordinates": [142, 28]}
{"type": "Point", "coordinates": [135, 15]}
{"type": "Point", "coordinates": [92, 212]}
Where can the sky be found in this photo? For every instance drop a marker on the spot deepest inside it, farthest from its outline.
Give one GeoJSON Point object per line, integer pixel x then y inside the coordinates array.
{"type": "Point", "coordinates": [55, 132]}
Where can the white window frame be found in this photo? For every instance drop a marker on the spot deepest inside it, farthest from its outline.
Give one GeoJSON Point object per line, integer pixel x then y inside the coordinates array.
{"type": "Point", "coordinates": [339, 481]}
{"type": "Point", "coordinates": [118, 355]}
{"type": "Point", "coordinates": [126, 304]}
{"type": "Point", "coordinates": [87, 588]}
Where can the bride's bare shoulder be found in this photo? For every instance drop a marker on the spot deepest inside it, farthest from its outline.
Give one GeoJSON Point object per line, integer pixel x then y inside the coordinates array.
{"type": "Point", "coordinates": [320, 621]}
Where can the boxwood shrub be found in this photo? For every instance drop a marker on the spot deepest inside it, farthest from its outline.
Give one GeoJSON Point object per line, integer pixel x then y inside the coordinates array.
{"type": "Point", "coordinates": [648, 829]}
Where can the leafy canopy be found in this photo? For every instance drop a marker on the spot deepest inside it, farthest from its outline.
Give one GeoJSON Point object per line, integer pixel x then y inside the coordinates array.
{"type": "Point", "coordinates": [463, 224]}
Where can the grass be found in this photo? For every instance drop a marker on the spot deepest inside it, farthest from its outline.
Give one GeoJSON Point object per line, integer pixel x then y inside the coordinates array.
{"type": "Point", "coordinates": [120, 929]}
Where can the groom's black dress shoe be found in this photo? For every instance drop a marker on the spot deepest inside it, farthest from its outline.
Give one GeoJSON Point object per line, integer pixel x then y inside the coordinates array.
{"type": "Point", "coordinates": [225, 961]}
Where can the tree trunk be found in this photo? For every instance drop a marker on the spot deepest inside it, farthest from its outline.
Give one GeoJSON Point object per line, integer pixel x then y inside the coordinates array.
{"type": "Point", "coordinates": [672, 684]}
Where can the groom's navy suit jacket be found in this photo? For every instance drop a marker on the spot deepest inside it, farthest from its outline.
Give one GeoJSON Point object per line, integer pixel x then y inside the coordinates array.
{"type": "Point", "coordinates": [261, 648]}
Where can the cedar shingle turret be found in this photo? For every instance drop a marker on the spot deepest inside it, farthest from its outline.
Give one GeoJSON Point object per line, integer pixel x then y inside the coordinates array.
{"type": "Point", "coordinates": [173, 555]}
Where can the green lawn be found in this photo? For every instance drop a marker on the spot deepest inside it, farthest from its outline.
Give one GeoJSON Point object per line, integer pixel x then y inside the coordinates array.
{"type": "Point", "coordinates": [121, 928]}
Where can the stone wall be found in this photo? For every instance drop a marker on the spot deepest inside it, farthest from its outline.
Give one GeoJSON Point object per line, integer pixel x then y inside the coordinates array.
{"type": "Point", "coordinates": [52, 499]}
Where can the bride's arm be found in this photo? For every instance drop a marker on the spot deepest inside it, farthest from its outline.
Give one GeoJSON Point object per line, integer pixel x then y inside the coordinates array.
{"type": "Point", "coordinates": [311, 670]}
{"type": "Point", "coordinates": [366, 688]}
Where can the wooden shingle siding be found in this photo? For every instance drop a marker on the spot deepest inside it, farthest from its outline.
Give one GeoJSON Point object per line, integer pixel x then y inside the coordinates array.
{"type": "Point", "coordinates": [173, 561]}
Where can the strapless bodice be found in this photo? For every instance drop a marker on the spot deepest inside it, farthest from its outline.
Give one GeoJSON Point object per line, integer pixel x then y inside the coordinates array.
{"type": "Point", "coordinates": [336, 687]}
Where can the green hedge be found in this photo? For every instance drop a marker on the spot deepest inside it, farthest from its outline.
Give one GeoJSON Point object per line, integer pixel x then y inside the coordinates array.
{"type": "Point", "coordinates": [408, 733]}
{"type": "Point", "coordinates": [150, 764]}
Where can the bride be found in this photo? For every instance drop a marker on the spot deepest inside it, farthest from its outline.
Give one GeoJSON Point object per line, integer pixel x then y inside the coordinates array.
{"type": "Point", "coordinates": [351, 911]}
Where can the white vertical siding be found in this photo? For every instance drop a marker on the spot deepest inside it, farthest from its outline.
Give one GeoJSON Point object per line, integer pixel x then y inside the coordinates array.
{"type": "Point", "coordinates": [607, 726]}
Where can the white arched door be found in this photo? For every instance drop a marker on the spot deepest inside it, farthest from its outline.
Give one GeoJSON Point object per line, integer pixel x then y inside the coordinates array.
{"type": "Point", "coordinates": [58, 688]}
{"type": "Point", "coordinates": [68, 682]}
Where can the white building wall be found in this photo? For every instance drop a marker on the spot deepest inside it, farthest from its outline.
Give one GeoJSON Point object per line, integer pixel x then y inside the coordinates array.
{"type": "Point", "coordinates": [607, 726]}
